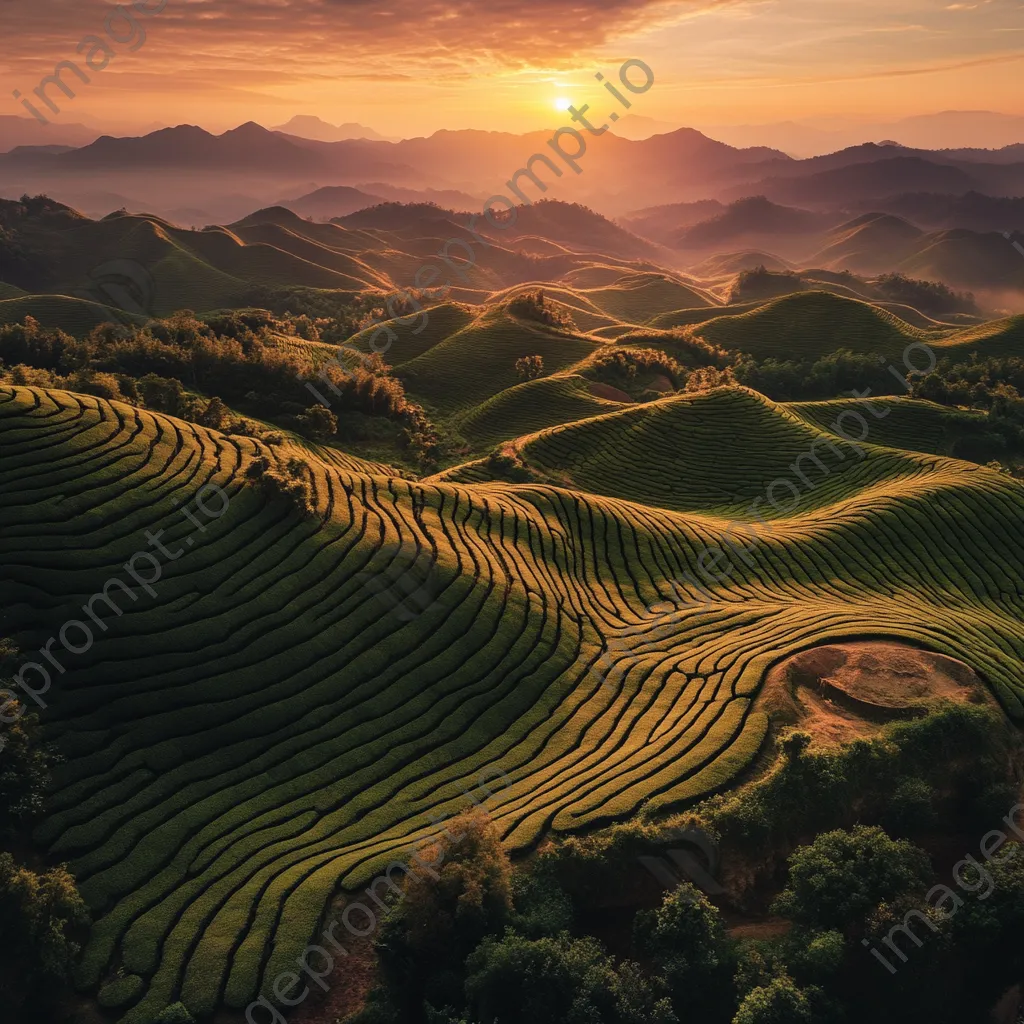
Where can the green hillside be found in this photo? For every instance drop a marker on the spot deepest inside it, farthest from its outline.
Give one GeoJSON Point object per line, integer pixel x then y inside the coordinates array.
{"type": "Point", "coordinates": [811, 324]}
{"type": "Point", "coordinates": [260, 726]}
{"type": "Point", "coordinates": [76, 316]}
{"type": "Point", "coordinates": [529, 407]}
{"type": "Point", "coordinates": [915, 425]}
{"type": "Point", "coordinates": [478, 361]}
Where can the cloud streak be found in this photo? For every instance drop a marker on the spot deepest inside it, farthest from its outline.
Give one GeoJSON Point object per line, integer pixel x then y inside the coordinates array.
{"type": "Point", "coordinates": [405, 34]}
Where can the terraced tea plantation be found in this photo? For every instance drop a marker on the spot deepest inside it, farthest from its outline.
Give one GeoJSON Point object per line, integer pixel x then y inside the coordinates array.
{"type": "Point", "coordinates": [259, 722]}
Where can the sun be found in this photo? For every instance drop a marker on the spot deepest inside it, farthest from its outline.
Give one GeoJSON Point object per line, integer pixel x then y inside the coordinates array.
{"type": "Point", "coordinates": [563, 104]}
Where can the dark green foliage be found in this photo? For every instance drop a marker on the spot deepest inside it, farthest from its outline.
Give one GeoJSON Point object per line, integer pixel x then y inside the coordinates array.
{"type": "Point", "coordinates": [842, 877]}
{"type": "Point", "coordinates": [530, 367]}
{"type": "Point", "coordinates": [290, 483]}
{"type": "Point", "coordinates": [683, 347]}
{"type": "Point", "coordinates": [176, 1013]}
{"type": "Point", "coordinates": [952, 950]}
{"type": "Point", "coordinates": [991, 384]}
{"type": "Point", "coordinates": [337, 314]}
{"type": "Point", "coordinates": [622, 367]}
{"type": "Point", "coordinates": [966, 755]}
{"type": "Point", "coordinates": [761, 283]}
{"type": "Point", "coordinates": [831, 376]}
{"type": "Point", "coordinates": [779, 1002]}
{"type": "Point", "coordinates": [534, 306]}
{"type": "Point", "coordinates": [542, 907]}
{"type": "Point", "coordinates": [929, 297]}
{"type": "Point", "coordinates": [240, 356]}
{"type": "Point", "coordinates": [214, 414]}
{"type": "Point", "coordinates": [989, 929]}
{"type": "Point", "coordinates": [25, 762]}
{"type": "Point", "coordinates": [686, 940]}
{"type": "Point", "coordinates": [911, 809]}
{"type": "Point", "coordinates": [558, 981]}
{"type": "Point", "coordinates": [461, 895]}
{"type": "Point", "coordinates": [165, 395]}
{"type": "Point", "coordinates": [25, 765]}
{"type": "Point", "coordinates": [41, 918]}
{"type": "Point", "coordinates": [505, 464]}
{"type": "Point", "coordinates": [318, 423]}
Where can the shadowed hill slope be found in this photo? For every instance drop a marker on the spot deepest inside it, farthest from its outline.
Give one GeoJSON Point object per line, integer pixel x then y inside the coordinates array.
{"type": "Point", "coordinates": [810, 324]}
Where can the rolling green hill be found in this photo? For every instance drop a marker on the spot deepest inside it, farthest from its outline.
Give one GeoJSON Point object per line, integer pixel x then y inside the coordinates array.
{"type": "Point", "coordinates": [256, 725]}
{"type": "Point", "coordinates": [76, 316]}
{"type": "Point", "coordinates": [530, 406]}
{"type": "Point", "coordinates": [811, 324]}
{"type": "Point", "coordinates": [478, 361]}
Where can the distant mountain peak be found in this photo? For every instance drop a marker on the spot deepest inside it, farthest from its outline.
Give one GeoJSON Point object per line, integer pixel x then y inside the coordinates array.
{"type": "Point", "coordinates": [309, 126]}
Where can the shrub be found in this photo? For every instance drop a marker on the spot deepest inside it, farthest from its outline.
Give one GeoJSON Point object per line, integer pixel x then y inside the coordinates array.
{"type": "Point", "coordinates": [290, 483]}
{"type": "Point", "coordinates": [176, 1013]}
{"type": "Point", "coordinates": [318, 422]}
{"type": "Point", "coordinates": [708, 377]}
{"type": "Point", "coordinates": [25, 762]}
{"type": "Point", "coordinates": [214, 414]}
{"type": "Point", "coordinates": [530, 367]}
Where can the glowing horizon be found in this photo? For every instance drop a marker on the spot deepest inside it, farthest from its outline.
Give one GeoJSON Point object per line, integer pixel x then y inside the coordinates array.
{"type": "Point", "coordinates": [409, 70]}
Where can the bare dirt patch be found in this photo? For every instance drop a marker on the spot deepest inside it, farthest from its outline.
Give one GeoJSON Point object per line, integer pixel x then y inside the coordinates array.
{"type": "Point", "coordinates": [613, 394]}
{"type": "Point", "coordinates": [839, 692]}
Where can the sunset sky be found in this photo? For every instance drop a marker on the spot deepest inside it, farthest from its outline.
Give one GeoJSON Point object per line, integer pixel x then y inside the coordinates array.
{"type": "Point", "coordinates": [409, 67]}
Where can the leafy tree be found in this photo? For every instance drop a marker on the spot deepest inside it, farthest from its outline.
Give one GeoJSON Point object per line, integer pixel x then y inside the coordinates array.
{"type": "Point", "coordinates": [214, 414]}
{"type": "Point", "coordinates": [164, 394]}
{"type": "Point", "coordinates": [685, 938]}
{"type": "Point", "coordinates": [707, 377]}
{"type": "Point", "coordinates": [530, 367]}
{"type": "Point", "coordinates": [840, 878]}
{"type": "Point", "coordinates": [25, 762]}
{"type": "Point", "coordinates": [319, 423]}
{"type": "Point", "coordinates": [457, 892]}
{"type": "Point", "coordinates": [621, 366]}
{"type": "Point", "coordinates": [930, 297]}
{"type": "Point", "coordinates": [761, 283]}
{"type": "Point", "coordinates": [558, 980]}
{"type": "Point", "coordinates": [40, 917]}
{"type": "Point", "coordinates": [779, 1002]}
{"type": "Point", "coordinates": [534, 306]}
{"type": "Point", "coordinates": [542, 907]}
{"type": "Point", "coordinates": [986, 931]}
